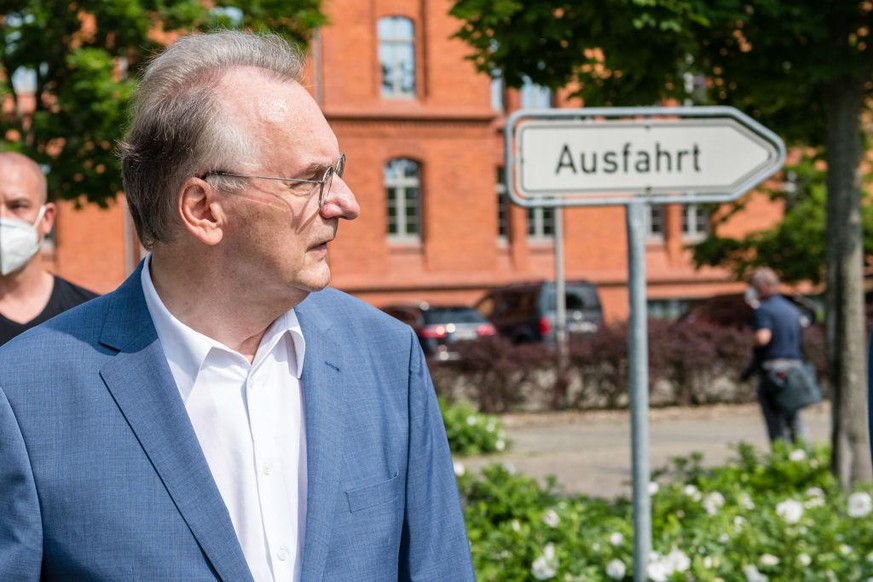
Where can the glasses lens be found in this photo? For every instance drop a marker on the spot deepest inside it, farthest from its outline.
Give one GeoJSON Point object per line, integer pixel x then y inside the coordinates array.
{"type": "Point", "coordinates": [325, 185]}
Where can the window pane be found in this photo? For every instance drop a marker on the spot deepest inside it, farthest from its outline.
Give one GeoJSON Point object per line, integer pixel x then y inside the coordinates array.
{"type": "Point", "coordinates": [402, 189]}
{"type": "Point", "coordinates": [502, 205]}
{"type": "Point", "coordinates": [655, 226]}
{"type": "Point", "coordinates": [695, 221]}
{"type": "Point", "coordinates": [535, 96]}
{"type": "Point", "coordinates": [397, 56]}
{"type": "Point", "coordinates": [541, 223]}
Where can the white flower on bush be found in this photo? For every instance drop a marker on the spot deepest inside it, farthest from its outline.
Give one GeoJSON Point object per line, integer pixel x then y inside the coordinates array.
{"type": "Point", "coordinates": [814, 502]}
{"type": "Point", "coordinates": [678, 561]}
{"type": "Point", "coordinates": [769, 561]}
{"type": "Point", "coordinates": [815, 492]}
{"type": "Point", "coordinates": [753, 575]}
{"type": "Point", "coordinates": [459, 469]}
{"type": "Point", "coordinates": [713, 502]}
{"type": "Point", "coordinates": [545, 566]}
{"type": "Point", "coordinates": [790, 510]}
{"type": "Point", "coordinates": [804, 559]}
{"type": "Point", "coordinates": [724, 538]}
{"type": "Point", "coordinates": [708, 562]}
{"type": "Point", "coordinates": [500, 444]}
{"type": "Point", "coordinates": [746, 501]}
{"type": "Point", "coordinates": [615, 569]}
{"type": "Point", "coordinates": [657, 571]}
{"type": "Point", "coordinates": [515, 525]}
{"type": "Point", "coordinates": [653, 487]}
{"type": "Point", "coordinates": [509, 468]}
{"type": "Point", "coordinates": [472, 420]}
{"type": "Point", "coordinates": [797, 455]}
{"type": "Point", "coordinates": [551, 519]}
{"type": "Point", "coordinates": [491, 426]}
{"type": "Point", "coordinates": [739, 521]}
{"type": "Point", "coordinates": [860, 504]}
{"type": "Point", "coordinates": [692, 492]}
{"type": "Point", "coordinates": [616, 539]}
{"type": "Point", "coordinates": [845, 549]}
{"type": "Point", "coordinates": [661, 568]}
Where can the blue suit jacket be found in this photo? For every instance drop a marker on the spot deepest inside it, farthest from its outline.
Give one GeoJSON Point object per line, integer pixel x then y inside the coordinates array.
{"type": "Point", "coordinates": [102, 477]}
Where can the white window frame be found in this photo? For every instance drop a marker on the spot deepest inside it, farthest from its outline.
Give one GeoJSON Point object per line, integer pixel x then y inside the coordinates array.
{"type": "Point", "coordinates": [398, 44]}
{"type": "Point", "coordinates": [541, 224]}
{"type": "Point", "coordinates": [656, 224]}
{"type": "Point", "coordinates": [401, 184]}
{"type": "Point", "coordinates": [695, 222]}
{"type": "Point", "coordinates": [533, 96]}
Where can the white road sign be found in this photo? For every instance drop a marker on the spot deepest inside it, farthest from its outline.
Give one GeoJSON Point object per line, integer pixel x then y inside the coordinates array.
{"type": "Point", "coordinates": [715, 154]}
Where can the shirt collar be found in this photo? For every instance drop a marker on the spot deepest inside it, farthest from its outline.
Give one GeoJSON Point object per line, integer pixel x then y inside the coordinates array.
{"type": "Point", "coordinates": [186, 349]}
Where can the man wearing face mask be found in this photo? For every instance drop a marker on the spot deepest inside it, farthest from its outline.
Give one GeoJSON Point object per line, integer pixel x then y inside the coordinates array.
{"type": "Point", "coordinates": [29, 294]}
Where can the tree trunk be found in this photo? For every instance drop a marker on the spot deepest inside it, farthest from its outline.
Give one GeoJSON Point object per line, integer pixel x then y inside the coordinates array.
{"type": "Point", "coordinates": [845, 331]}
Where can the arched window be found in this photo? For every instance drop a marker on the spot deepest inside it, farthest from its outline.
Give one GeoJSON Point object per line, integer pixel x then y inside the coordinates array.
{"type": "Point", "coordinates": [403, 194]}
{"type": "Point", "coordinates": [397, 56]}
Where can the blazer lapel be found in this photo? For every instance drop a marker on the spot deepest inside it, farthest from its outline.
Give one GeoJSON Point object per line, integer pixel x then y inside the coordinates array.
{"type": "Point", "coordinates": [322, 382]}
{"type": "Point", "coordinates": [143, 388]}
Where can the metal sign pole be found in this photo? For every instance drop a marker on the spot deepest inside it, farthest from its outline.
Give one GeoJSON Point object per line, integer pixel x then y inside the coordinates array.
{"type": "Point", "coordinates": [638, 362]}
{"type": "Point", "coordinates": [560, 309]}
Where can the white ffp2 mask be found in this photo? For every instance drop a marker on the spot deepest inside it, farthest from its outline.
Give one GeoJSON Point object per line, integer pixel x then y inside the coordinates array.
{"type": "Point", "coordinates": [19, 242]}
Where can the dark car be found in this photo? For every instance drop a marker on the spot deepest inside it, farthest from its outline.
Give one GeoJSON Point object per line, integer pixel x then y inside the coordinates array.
{"type": "Point", "coordinates": [731, 310]}
{"type": "Point", "coordinates": [440, 328]}
{"type": "Point", "coordinates": [526, 312]}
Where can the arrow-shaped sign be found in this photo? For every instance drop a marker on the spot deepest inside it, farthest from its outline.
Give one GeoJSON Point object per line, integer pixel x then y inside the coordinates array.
{"type": "Point", "coordinates": [610, 156]}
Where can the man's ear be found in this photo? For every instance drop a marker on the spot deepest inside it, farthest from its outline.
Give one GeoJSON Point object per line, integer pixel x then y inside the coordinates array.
{"type": "Point", "coordinates": [48, 220]}
{"type": "Point", "coordinates": [200, 211]}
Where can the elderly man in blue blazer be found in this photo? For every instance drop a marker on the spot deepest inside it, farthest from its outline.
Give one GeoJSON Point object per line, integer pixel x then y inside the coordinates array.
{"type": "Point", "coordinates": [223, 415]}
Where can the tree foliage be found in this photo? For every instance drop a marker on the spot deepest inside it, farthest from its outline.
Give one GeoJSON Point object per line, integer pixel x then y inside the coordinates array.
{"type": "Point", "coordinates": [69, 69]}
{"type": "Point", "coordinates": [769, 58]}
{"type": "Point", "coordinates": [796, 245]}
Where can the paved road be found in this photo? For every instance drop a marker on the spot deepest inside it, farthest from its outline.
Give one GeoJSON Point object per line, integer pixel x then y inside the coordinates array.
{"type": "Point", "coordinates": [589, 452]}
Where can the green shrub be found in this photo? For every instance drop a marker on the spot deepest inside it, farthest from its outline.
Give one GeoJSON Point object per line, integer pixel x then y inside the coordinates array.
{"type": "Point", "coordinates": [778, 517]}
{"type": "Point", "coordinates": [470, 432]}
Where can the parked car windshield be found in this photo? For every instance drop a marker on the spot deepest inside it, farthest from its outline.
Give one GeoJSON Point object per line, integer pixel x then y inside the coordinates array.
{"type": "Point", "coordinates": [576, 298]}
{"type": "Point", "coordinates": [452, 315]}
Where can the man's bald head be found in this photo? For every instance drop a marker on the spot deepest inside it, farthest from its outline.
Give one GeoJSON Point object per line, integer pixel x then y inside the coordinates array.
{"type": "Point", "coordinates": [17, 162]}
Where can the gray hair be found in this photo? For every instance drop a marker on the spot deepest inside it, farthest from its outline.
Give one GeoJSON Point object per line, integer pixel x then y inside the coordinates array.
{"type": "Point", "coordinates": [764, 279]}
{"type": "Point", "coordinates": [177, 128]}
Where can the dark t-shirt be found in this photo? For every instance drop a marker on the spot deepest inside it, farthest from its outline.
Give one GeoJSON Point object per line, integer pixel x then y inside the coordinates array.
{"type": "Point", "coordinates": [783, 320]}
{"type": "Point", "coordinates": [64, 296]}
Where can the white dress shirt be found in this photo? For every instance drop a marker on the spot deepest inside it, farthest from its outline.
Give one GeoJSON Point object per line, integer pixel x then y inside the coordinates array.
{"type": "Point", "coordinates": [249, 421]}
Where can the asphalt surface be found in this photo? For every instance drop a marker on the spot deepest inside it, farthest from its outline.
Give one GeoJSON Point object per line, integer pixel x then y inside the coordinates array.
{"type": "Point", "coordinates": [590, 452]}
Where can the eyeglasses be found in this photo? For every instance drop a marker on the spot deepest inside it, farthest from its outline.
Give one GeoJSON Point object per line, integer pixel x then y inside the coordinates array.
{"type": "Point", "coordinates": [323, 184]}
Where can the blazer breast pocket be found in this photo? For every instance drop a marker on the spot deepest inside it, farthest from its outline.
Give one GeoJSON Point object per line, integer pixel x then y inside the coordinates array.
{"type": "Point", "coordinates": [376, 494]}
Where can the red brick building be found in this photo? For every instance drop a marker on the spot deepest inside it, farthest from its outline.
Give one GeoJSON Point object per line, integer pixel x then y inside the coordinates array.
{"type": "Point", "coordinates": [422, 132]}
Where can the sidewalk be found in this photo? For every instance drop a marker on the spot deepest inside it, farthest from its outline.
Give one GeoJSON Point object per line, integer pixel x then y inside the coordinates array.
{"type": "Point", "coordinates": [589, 452]}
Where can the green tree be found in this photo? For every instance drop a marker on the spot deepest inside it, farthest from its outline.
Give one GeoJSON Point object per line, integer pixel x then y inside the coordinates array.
{"type": "Point", "coordinates": [69, 69]}
{"type": "Point", "coordinates": [795, 246]}
{"type": "Point", "coordinates": [802, 68]}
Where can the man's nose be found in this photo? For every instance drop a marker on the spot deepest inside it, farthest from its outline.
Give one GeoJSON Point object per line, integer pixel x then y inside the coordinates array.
{"type": "Point", "coordinates": [340, 201]}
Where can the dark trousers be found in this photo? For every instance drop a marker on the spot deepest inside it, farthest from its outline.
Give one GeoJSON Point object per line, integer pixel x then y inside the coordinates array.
{"type": "Point", "coordinates": [781, 424]}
